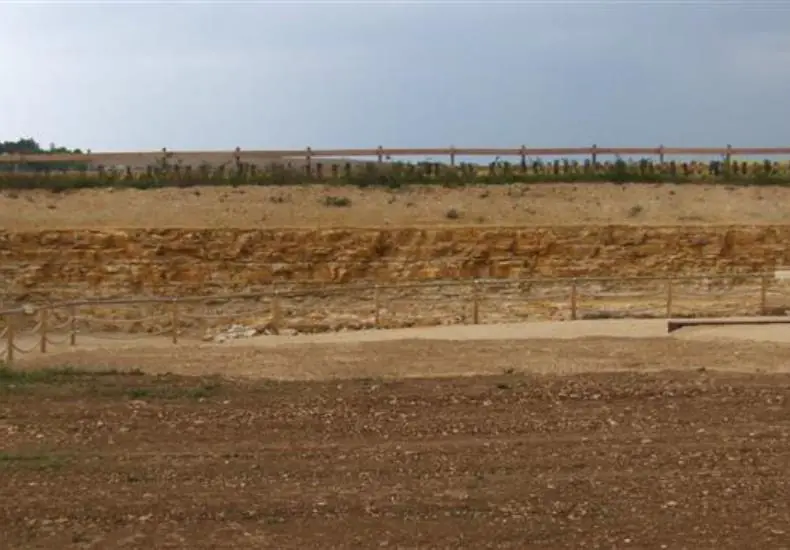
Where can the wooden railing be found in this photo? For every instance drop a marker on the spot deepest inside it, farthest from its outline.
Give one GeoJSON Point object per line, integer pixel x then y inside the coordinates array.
{"type": "Point", "coordinates": [382, 153]}
{"type": "Point", "coordinates": [59, 324]}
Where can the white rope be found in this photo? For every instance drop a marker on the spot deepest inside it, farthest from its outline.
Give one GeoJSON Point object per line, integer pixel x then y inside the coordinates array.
{"type": "Point", "coordinates": [207, 316]}
{"type": "Point", "coordinates": [50, 340]}
{"type": "Point", "coordinates": [22, 350]}
{"type": "Point", "coordinates": [114, 321]}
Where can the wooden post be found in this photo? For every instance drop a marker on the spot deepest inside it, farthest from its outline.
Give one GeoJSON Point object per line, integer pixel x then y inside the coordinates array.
{"type": "Point", "coordinates": [763, 294]}
{"type": "Point", "coordinates": [377, 306]}
{"type": "Point", "coordinates": [308, 167]}
{"type": "Point", "coordinates": [574, 296]}
{"type": "Point", "coordinates": [476, 303]}
{"type": "Point", "coordinates": [174, 321]}
{"type": "Point", "coordinates": [670, 296]}
{"type": "Point", "coordinates": [73, 325]}
{"type": "Point", "coordinates": [276, 311]}
{"type": "Point", "coordinates": [9, 352]}
{"type": "Point", "coordinates": [44, 319]}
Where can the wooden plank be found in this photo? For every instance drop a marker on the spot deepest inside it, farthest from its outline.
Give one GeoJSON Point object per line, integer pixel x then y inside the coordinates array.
{"type": "Point", "coordinates": [126, 157]}
{"type": "Point", "coordinates": [675, 324]}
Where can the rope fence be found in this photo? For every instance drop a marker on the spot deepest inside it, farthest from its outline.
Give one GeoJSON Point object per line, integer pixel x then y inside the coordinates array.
{"type": "Point", "coordinates": [384, 305]}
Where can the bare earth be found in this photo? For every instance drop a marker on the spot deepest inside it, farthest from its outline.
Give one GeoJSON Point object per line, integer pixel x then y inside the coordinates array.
{"type": "Point", "coordinates": [610, 436]}
{"type": "Point", "coordinates": [594, 434]}
{"type": "Point", "coordinates": [304, 206]}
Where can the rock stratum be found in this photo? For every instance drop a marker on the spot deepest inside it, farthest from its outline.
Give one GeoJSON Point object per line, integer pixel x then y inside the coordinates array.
{"type": "Point", "coordinates": [181, 262]}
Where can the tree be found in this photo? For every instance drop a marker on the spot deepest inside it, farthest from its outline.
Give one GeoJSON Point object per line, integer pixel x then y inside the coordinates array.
{"type": "Point", "coordinates": [29, 146]}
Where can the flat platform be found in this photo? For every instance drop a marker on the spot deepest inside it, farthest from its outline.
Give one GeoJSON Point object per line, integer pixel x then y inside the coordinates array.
{"type": "Point", "coordinates": [675, 324]}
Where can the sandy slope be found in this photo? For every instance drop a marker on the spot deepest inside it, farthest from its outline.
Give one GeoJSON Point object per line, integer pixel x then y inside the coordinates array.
{"type": "Point", "coordinates": [537, 204]}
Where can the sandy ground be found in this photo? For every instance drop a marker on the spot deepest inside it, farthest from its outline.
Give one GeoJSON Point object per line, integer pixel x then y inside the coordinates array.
{"type": "Point", "coordinates": [535, 204]}
{"type": "Point", "coordinates": [540, 347]}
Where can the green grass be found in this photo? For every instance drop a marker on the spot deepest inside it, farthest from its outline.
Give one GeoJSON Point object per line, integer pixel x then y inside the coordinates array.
{"type": "Point", "coordinates": [105, 383]}
{"type": "Point", "coordinates": [55, 375]}
{"type": "Point", "coordinates": [395, 175]}
{"type": "Point", "coordinates": [31, 461]}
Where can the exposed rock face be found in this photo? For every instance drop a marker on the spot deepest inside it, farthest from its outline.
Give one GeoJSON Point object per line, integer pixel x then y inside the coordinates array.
{"type": "Point", "coordinates": [181, 262]}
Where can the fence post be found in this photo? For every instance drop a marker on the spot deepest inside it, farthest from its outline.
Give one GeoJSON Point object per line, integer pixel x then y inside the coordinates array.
{"type": "Point", "coordinates": [276, 312]}
{"type": "Point", "coordinates": [476, 302]}
{"type": "Point", "coordinates": [763, 293]}
{"type": "Point", "coordinates": [670, 289]}
{"type": "Point", "coordinates": [44, 319]}
{"type": "Point", "coordinates": [73, 325]}
{"type": "Point", "coordinates": [574, 296]}
{"type": "Point", "coordinates": [174, 320]}
{"type": "Point", "coordinates": [9, 352]}
{"type": "Point", "coordinates": [308, 167]}
{"type": "Point", "coordinates": [377, 306]}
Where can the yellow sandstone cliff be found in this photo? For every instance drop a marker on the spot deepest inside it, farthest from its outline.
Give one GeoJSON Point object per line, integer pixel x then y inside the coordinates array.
{"type": "Point", "coordinates": [212, 260]}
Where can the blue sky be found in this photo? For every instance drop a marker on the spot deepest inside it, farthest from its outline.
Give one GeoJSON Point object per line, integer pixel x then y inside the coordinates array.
{"type": "Point", "coordinates": [286, 75]}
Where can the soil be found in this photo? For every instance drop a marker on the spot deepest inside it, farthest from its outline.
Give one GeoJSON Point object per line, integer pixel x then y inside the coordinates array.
{"type": "Point", "coordinates": [690, 459]}
{"type": "Point", "coordinates": [306, 206]}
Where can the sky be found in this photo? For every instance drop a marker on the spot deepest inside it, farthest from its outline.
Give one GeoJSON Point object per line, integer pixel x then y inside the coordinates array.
{"type": "Point", "coordinates": [274, 75]}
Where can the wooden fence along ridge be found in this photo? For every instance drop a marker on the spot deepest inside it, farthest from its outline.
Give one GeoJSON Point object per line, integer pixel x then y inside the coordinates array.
{"type": "Point", "coordinates": [46, 332]}
{"type": "Point", "coordinates": [382, 153]}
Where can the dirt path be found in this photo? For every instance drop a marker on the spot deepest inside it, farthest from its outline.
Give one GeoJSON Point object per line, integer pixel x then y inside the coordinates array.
{"type": "Point", "coordinates": [550, 347]}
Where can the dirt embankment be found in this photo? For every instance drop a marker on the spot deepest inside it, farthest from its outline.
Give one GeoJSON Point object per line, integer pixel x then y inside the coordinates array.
{"type": "Point", "coordinates": [327, 206]}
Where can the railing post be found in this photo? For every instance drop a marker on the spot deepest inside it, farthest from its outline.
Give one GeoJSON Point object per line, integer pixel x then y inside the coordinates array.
{"type": "Point", "coordinates": [276, 312]}
{"type": "Point", "coordinates": [476, 303]}
{"type": "Point", "coordinates": [9, 352]}
{"type": "Point", "coordinates": [72, 325]}
{"type": "Point", "coordinates": [574, 297]}
{"type": "Point", "coordinates": [670, 292]}
{"type": "Point", "coordinates": [308, 167]}
{"type": "Point", "coordinates": [763, 294]}
{"type": "Point", "coordinates": [174, 320]}
{"type": "Point", "coordinates": [44, 319]}
{"type": "Point", "coordinates": [377, 306]}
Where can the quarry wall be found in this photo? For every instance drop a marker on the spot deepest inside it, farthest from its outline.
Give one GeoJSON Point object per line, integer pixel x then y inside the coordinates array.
{"type": "Point", "coordinates": [127, 262]}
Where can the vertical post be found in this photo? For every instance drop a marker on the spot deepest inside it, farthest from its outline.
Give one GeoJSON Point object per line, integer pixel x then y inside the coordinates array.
{"type": "Point", "coordinates": [763, 294]}
{"type": "Point", "coordinates": [380, 153]}
{"type": "Point", "coordinates": [44, 320]}
{"type": "Point", "coordinates": [377, 306]}
{"type": "Point", "coordinates": [452, 155]}
{"type": "Point", "coordinates": [9, 321]}
{"type": "Point", "coordinates": [174, 320]}
{"type": "Point", "coordinates": [523, 153]}
{"type": "Point", "coordinates": [574, 296]}
{"type": "Point", "coordinates": [308, 167]}
{"type": "Point", "coordinates": [72, 325]}
{"type": "Point", "coordinates": [594, 155]}
{"type": "Point", "coordinates": [670, 292]}
{"type": "Point", "coordinates": [276, 312]}
{"type": "Point", "coordinates": [661, 154]}
{"type": "Point", "coordinates": [476, 303]}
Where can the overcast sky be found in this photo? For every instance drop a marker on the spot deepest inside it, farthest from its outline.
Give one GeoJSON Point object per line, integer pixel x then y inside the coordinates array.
{"type": "Point", "coordinates": [274, 75]}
